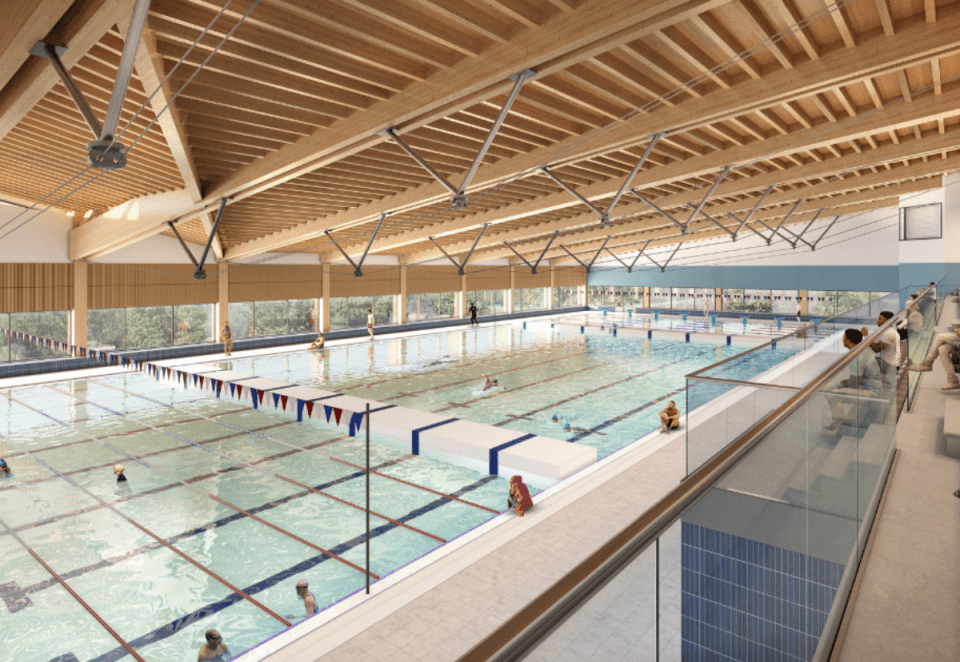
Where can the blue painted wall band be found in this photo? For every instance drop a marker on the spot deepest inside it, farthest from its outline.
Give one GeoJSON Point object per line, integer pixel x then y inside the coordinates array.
{"type": "Point", "coordinates": [495, 452]}
{"type": "Point", "coordinates": [415, 448]}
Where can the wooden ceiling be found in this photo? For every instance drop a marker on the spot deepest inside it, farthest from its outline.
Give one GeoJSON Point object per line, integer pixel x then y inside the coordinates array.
{"type": "Point", "coordinates": [844, 105]}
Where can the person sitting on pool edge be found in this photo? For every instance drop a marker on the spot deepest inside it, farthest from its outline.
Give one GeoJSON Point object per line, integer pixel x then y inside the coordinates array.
{"type": "Point", "coordinates": [519, 498]}
{"type": "Point", "coordinates": [670, 417]}
{"type": "Point", "coordinates": [309, 601]}
{"type": "Point", "coordinates": [4, 468]}
{"type": "Point", "coordinates": [319, 342]}
{"type": "Point", "coordinates": [490, 383]}
{"type": "Point", "coordinates": [118, 469]}
{"type": "Point", "coordinates": [214, 650]}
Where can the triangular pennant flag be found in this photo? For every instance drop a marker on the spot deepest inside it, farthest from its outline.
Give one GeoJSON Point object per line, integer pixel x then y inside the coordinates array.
{"type": "Point", "coordinates": [326, 410]}
{"type": "Point", "coordinates": [356, 421]}
{"type": "Point", "coordinates": [283, 401]}
{"type": "Point", "coordinates": [276, 400]}
{"type": "Point", "coordinates": [256, 397]}
{"type": "Point", "coordinates": [337, 413]}
{"type": "Point", "coordinates": [299, 409]}
{"type": "Point", "coordinates": [201, 381]}
{"type": "Point", "coordinates": [195, 380]}
{"type": "Point", "coordinates": [259, 395]}
{"type": "Point", "coordinates": [239, 390]}
{"type": "Point", "coordinates": [233, 387]}
{"type": "Point", "coordinates": [309, 409]}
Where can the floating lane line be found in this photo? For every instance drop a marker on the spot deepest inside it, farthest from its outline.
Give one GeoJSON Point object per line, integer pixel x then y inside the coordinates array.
{"type": "Point", "coordinates": [251, 466]}
{"type": "Point", "coordinates": [312, 452]}
{"type": "Point", "coordinates": [64, 584]}
{"type": "Point", "coordinates": [196, 489]}
{"type": "Point", "coordinates": [150, 533]}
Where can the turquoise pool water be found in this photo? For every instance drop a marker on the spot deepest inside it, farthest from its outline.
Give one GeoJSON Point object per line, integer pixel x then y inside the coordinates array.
{"type": "Point", "coordinates": [259, 500]}
{"type": "Point", "coordinates": [604, 392]}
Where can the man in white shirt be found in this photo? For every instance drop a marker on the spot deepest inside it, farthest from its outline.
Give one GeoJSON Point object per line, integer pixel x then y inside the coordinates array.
{"type": "Point", "coordinates": [863, 379]}
{"type": "Point", "coordinates": [888, 348]}
{"type": "Point", "coordinates": [943, 344]}
{"type": "Point", "coordinates": [370, 322]}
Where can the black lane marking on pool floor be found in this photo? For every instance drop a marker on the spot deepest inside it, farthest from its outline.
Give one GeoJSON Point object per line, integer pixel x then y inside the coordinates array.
{"type": "Point", "coordinates": [10, 593]}
{"type": "Point", "coordinates": [624, 415]}
{"type": "Point", "coordinates": [621, 381]}
{"type": "Point", "coordinates": [110, 464]}
{"type": "Point", "coordinates": [104, 438]}
{"type": "Point", "coordinates": [171, 628]}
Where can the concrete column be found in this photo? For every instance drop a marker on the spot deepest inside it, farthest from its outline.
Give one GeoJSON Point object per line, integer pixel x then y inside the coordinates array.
{"type": "Point", "coordinates": [510, 294]}
{"type": "Point", "coordinates": [78, 317]}
{"type": "Point", "coordinates": [223, 297]}
{"type": "Point", "coordinates": [717, 296]}
{"type": "Point", "coordinates": [462, 298]}
{"type": "Point", "coordinates": [325, 296]}
{"type": "Point", "coordinates": [804, 304]}
{"type": "Point", "coordinates": [553, 283]}
{"type": "Point", "coordinates": [402, 307]}
{"type": "Point", "coordinates": [646, 296]}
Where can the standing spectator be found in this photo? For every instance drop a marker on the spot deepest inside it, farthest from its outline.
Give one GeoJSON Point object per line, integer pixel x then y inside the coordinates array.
{"type": "Point", "coordinates": [706, 308]}
{"type": "Point", "coordinates": [888, 348]}
{"type": "Point", "coordinates": [226, 337]}
{"type": "Point", "coordinates": [942, 346]}
{"type": "Point", "coordinates": [473, 314]}
{"type": "Point", "coordinates": [799, 312]}
{"type": "Point", "coordinates": [370, 322]}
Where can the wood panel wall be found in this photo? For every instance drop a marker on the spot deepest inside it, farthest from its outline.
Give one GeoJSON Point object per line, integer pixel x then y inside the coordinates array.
{"type": "Point", "coordinates": [423, 279]}
{"type": "Point", "coordinates": [29, 288]}
{"type": "Point", "coordinates": [135, 285]}
{"type": "Point", "coordinates": [487, 278]}
{"type": "Point", "coordinates": [523, 279]}
{"type": "Point", "coordinates": [376, 280]}
{"type": "Point", "coordinates": [569, 276]}
{"type": "Point", "coordinates": [265, 282]}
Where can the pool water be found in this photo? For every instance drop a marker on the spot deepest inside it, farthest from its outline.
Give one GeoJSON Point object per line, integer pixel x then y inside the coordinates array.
{"type": "Point", "coordinates": [601, 391]}
{"type": "Point", "coordinates": [155, 599]}
{"type": "Point", "coordinates": [262, 501]}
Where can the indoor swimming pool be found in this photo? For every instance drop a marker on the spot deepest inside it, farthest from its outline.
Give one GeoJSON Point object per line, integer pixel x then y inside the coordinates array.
{"type": "Point", "coordinates": [225, 508]}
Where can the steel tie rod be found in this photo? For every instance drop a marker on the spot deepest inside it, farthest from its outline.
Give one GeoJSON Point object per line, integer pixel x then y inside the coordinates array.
{"type": "Point", "coordinates": [191, 487]}
{"type": "Point", "coordinates": [150, 533]}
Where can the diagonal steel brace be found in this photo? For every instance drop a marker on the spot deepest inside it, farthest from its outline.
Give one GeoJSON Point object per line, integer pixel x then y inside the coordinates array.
{"type": "Point", "coordinates": [632, 264]}
{"type": "Point", "coordinates": [808, 226]}
{"type": "Point", "coordinates": [657, 209]}
{"type": "Point", "coordinates": [357, 266]}
{"type": "Point", "coordinates": [200, 274]}
{"type": "Point", "coordinates": [714, 221]}
{"type": "Point", "coordinates": [752, 212]}
{"type": "Point", "coordinates": [460, 266]}
{"type": "Point", "coordinates": [460, 200]}
{"type": "Point", "coordinates": [706, 197]}
{"type": "Point", "coordinates": [617, 258]}
{"type": "Point", "coordinates": [533, 267]}
{"type": "Point", "coordinates": [575, 257]}
{"type": "Point", "coordinates": [835, 219]}
{"type": "Point", "coordinates": [784, 220]}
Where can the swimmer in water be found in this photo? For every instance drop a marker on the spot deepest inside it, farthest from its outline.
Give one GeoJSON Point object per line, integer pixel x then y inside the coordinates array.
{"type": "Point", "coordinates": [489, 383]}
{"type": "Point", "coordinates": [309, 601]}
{"type": "Point", "coordinates": [214, 650]}
{"type": "Point", "coordinates": [555, 418]}
{"type": "Point", "coordinates": [118, 469]}
{"type": "Point", "coordinates": [4, 469]}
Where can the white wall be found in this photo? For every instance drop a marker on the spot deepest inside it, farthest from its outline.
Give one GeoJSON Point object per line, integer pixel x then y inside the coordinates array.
{"type": "Point", "coordinates": [926, 250]}
{"type": "Point", "coordinates": [869, 238]}
{"type": "Point", "coordinates": [42, 239]}
{"type": "Point", "coordinates": [154, 250]}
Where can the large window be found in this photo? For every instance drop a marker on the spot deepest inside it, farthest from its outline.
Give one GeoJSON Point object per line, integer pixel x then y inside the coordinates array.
{"type": "Point", "coordinates": [240, 315]}
{"type": "Point", "coordinates": [534, 298]}
{"type": "Point", "coordinates": [683, 298]}
{"type": "Point", "coordinates": [827, 303]}
{"type": "Point", "coordinates": [150, 326]}
{"type": "Point", "coordinates": [921, 222]}
{"type": "Point", "coordinates": [488, 302]}
{"type": "Point", "coordinates": [49, 325]}
{"type": "Point", "coordinates": [193, 324]}
{"type": "Point", "coordinates": [660, 297]}
{"type": "Point", "coordinates": [431, 305]}
{"type": "Point", "coordinates": [351, 312]}
{"type": "Point", "coordinates": [747, 301]}
{"type": "Point", "coordinates": [565, 297]}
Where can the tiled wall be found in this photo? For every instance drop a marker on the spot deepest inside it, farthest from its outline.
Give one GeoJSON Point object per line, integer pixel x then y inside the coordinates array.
{"type": "Point", "coordinates": [750, 602]}
{"type": "Point", "coordinates": [20, 368]}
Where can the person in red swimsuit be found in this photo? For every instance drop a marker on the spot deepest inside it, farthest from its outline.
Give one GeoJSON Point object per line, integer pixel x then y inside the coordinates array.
{"type": "Point", "coordinates": [519, 498]}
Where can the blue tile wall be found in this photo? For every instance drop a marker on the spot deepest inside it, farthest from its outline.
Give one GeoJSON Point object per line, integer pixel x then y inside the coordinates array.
{"type": "Point", "coordinates": [21, 368]}
{"type": "Point", "coordinates": [747, 601]}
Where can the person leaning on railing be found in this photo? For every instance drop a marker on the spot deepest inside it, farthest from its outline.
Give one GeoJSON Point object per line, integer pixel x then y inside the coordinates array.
{"type": "Point", "coordinates": [864, 379]}
{"type": "Point", "coordinates": [946, 346]}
